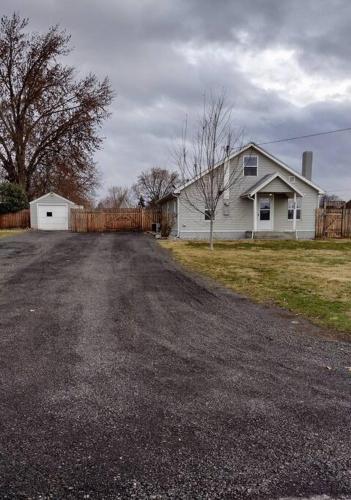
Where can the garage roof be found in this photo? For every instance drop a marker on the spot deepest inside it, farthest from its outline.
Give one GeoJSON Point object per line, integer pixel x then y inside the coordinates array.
{"type": "Point", "coordinates": [52, 194]}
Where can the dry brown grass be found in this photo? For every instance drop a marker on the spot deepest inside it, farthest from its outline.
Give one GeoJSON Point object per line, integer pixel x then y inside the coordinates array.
{"type": "Point", "coordinates": [312, 277]}
{"type": "Point", "coordinates": [9, 232]}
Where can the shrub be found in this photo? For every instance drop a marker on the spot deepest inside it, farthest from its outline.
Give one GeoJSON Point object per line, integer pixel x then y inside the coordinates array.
{"type": "Point", "coordinates": [166, 225]}
{"type": "Point", "coordinates": [12, 198]}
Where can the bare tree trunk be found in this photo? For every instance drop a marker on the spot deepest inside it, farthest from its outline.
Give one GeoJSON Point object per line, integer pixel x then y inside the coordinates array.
{"type": "Point", "coordinates": [208, 166]}
{"type": "Point", "coordinates": [211, 233]}
{"type": "Point", "coordinates": [21, 169]}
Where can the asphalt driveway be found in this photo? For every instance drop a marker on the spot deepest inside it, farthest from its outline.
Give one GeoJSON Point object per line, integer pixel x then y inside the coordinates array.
{"type": "Point", "coordinates": [122, 376]}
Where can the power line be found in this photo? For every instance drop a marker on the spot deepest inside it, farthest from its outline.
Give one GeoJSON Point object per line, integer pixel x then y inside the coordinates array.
{"type": "Point", "coordinates": [305, 136]}
{"type": "Point", "coordinates": [339, 190]}
{"type": "Point", "coordinates": [286, 139]}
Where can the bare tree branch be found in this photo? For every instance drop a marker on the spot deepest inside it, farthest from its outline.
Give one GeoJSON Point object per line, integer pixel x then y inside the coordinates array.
{"type": "Point", "coordinates": [118, 197]}
{"type": "Point", "coordinates": [155, 183]}
{"type": "Point", "coordinates": [205, 158]}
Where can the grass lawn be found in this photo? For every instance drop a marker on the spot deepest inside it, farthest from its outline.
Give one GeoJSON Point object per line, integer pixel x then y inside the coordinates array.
{"type": "Point", "coordinates": [312, 278]}
{"type": "Point", "coordinates": [9, 232]}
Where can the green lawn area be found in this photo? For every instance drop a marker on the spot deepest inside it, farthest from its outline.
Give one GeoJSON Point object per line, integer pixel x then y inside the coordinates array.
{"type": "Point", "coordinates": [312, 278]}
{"type": "Point", "coordinates": [9, 232]}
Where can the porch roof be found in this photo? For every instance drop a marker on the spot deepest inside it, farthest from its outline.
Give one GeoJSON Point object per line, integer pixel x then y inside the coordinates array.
{"type": "Point", "coordinates": [167, 197]}
{"type": "Point", "coordinates": [265, 182]}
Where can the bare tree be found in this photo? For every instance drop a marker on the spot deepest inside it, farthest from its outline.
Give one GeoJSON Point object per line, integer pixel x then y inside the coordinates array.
{"type": "Point", "coordinates": [205, 159]}
{"type": "Point", "coordinates": [154, 184]}
{"type": "Point", "coordinates": [330, 199]}
{"type": "Point", "coordinates": [49, 121]}
{"type": "Point", "coordinates": [117, 197]}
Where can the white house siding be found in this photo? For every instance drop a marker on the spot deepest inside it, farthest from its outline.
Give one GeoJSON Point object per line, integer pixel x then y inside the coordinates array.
{"type": "Point", "coordinates": [192, 224]}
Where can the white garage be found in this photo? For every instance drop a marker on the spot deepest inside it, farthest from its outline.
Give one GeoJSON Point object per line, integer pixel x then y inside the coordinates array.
{"type": "Point", "coordinates": [51, 212]}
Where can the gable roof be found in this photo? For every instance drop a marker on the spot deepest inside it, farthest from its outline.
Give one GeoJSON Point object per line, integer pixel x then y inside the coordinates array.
{"type": "Point", "coordinates": [51, 194]}
{"type": "Point", "coordinates": [257, 185]}
{"type": "Point", "coordinates": [264, 153]}
{"type": "Point", "coordinates": [265, 181]}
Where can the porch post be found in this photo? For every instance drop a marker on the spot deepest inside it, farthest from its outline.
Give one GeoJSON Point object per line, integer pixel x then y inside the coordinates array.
{"type": "Point", "coordinates": [255, 214]}
{"type": "Point", "coordinates": [294, 213]}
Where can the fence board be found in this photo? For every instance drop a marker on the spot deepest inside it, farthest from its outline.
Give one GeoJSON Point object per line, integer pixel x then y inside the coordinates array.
{"type": "Point", "coordinates": [333, 223]}
{"type": "Point", "coordinates": [16, 220]}
{"type": "Point", "coordinates": [124, 219]}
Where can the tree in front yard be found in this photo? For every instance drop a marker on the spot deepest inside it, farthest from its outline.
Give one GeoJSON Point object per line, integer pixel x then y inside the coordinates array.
{"type": "Point", "coordinates": [12, 198]}
{"type": "Point", "coordinates": [204, 158]}
{"type": "Point", "coordinates": [49, 119]}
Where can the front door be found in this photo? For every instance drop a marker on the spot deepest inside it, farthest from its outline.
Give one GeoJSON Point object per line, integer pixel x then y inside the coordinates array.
{"type": "Point", "coordinates": [265, 213]}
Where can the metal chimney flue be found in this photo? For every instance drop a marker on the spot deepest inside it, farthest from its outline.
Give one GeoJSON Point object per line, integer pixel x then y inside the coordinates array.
{"type": "Point", "coordinates": [307, 158]}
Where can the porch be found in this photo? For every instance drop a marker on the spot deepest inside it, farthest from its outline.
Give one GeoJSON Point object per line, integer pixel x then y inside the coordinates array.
{"type": "Point", "coordinates": [276, 207]}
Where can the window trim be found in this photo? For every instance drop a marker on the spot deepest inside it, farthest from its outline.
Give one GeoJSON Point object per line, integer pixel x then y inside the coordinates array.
{"type": "Point", "coordinates": [298, 198]}
{"type": "Point", "coordinates": [250, 156]}
{"type": "Point", "coordinates": [270, 209]}
{"type": "Point", "coordinates": [209, 219]}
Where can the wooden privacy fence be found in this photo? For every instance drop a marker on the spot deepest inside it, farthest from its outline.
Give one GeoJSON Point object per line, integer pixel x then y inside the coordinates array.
{"type": "Point", "coordinates": [124, 219]}
{"type": "Point", "coordinates": [15, 220]}
{"type": "Point", "coordinates": [333, 223]}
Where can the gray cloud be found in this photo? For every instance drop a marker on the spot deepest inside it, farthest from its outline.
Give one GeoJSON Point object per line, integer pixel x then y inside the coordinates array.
{"type": "Point", "coordinates": [148, 49]}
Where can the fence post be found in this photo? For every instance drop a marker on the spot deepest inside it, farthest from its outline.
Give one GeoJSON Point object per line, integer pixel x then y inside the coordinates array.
{"type": "Point", "coordinates": [142, 218]}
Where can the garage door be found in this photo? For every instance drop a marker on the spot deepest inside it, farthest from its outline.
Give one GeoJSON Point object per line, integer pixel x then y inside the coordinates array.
{"type": "Point", "coordinates": [53, 217]}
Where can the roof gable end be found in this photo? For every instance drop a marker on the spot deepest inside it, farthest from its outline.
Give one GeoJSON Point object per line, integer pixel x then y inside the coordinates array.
{"type": "Point", "coordinates": [281, 164]}
{"type": "Point", "coordinates": [51, 194]}
{"type": "Point", "coordinates": [266, 181]}
{"type": "Point", "coordinates": [264, 153]}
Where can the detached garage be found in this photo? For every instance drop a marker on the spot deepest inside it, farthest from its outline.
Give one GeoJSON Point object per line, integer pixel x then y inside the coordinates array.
{"type": "Point", "coordinates": [51, 212]}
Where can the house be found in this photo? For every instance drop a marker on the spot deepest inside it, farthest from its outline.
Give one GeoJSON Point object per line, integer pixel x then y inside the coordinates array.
{"type": "Point", "coordinates": [51, 212]}
{"type": "Point", "coordinates": [269, 199]}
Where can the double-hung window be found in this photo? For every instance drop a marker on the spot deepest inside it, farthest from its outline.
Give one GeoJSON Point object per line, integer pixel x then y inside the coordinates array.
{"type": "Point", "coordinates": [291, 208]}
{"type": "Point", "coordinates": [250, 163]}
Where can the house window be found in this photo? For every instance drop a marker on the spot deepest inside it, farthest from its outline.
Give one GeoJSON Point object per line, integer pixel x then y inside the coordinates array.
{"type": "Point", "coordinates": [291, 208]}
{"type": "Point", "coordinates": [250, 165]}
{"type": "Point", "coordinates": [48, 214]}
{"type": "Point", "coordinates": [208, 214]}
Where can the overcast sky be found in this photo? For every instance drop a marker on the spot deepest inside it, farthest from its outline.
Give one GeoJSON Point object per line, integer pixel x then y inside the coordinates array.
{"type": "Point", "coordinates": [285, 65]}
